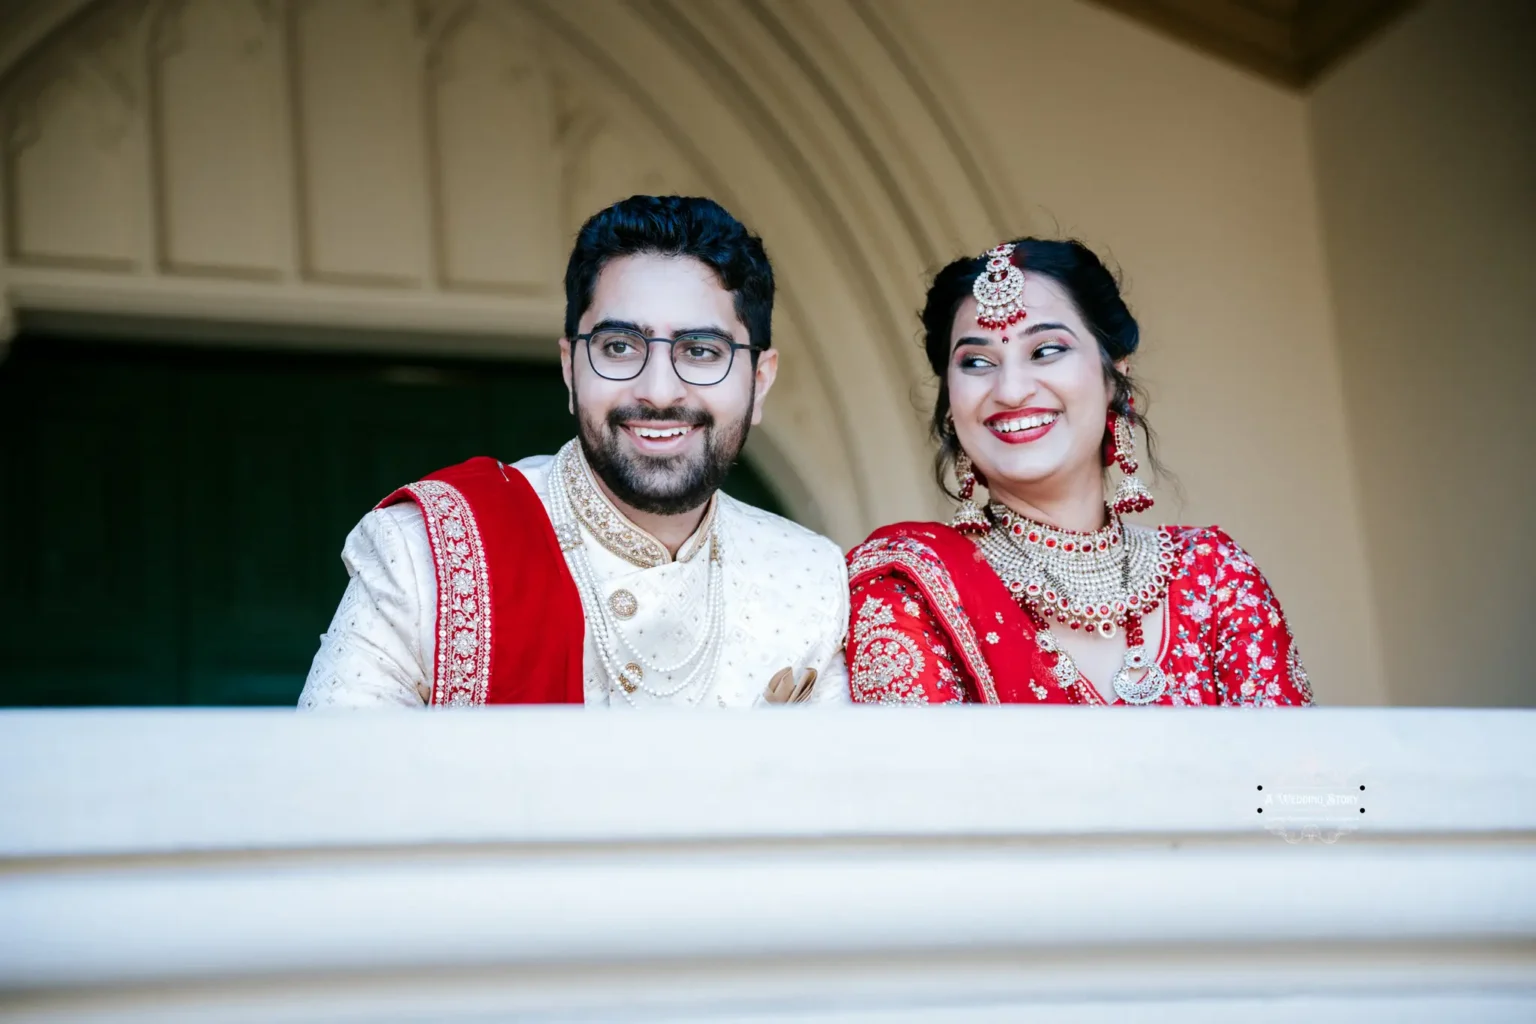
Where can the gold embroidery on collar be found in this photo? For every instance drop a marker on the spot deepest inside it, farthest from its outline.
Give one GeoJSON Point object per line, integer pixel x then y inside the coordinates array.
{"type": "Point", "coordinates": [606, 523]}
{"type": "Point", "coordinates": [705, 534]}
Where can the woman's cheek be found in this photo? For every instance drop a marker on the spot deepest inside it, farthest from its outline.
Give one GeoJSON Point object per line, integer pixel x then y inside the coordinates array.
{"type": "Point", "coordinates": [965, 392]}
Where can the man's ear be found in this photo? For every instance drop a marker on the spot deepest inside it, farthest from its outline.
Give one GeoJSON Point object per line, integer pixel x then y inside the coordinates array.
{"type": "Point", "coordinates": [762, 381]}
{"type": "Point", "coordinates": [565, 371]}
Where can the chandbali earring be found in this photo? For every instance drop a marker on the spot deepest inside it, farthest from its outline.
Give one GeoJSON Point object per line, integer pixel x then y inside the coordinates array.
{"type": "Point", "coordinates": [969, 517]}
{"type": "Point", "coordinates": [1120, 447]}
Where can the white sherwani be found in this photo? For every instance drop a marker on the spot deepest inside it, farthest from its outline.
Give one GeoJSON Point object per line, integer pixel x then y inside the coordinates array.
{"type": "Point", "coordinates": [784, 590]}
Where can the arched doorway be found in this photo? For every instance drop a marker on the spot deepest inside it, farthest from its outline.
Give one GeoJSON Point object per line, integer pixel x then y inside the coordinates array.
{"type": "Point", "coordinates": [406, 175]}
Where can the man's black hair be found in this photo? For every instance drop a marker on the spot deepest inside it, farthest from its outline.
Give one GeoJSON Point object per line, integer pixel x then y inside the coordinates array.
{"type": "Point", "coordinates": [675, 226]}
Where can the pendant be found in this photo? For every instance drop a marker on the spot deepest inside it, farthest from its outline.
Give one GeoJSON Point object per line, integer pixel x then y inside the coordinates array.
{"type": "Point", "coordinates": [1144, 690]}
{"type": "Point", "coordinates": [630, 676]}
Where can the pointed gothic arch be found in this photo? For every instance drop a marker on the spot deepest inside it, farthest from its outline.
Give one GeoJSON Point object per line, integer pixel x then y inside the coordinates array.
{"type": "Point", "coordinates": [420, 165]}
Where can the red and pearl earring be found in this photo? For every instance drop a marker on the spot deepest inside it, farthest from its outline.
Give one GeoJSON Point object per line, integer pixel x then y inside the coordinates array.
{"type": "Point", "coordinates": [1120, 447]}
{"type": "Point", "coordinates": [969, 517]}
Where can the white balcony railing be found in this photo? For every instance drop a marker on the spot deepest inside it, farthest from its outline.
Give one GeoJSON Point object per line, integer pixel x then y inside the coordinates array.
{"type": "Point", "coordinates": [864, 865]}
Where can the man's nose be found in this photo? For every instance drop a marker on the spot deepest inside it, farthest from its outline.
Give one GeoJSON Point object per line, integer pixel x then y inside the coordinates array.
{"type": "Point", "coordinates": [658, 383]}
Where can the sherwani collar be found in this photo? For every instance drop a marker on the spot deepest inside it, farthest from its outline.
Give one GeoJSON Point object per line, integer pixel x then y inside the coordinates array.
{"type": "Point", "coordinates": [610, 527]}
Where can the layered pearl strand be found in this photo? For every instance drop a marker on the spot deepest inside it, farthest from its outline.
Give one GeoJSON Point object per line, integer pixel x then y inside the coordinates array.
{"type": "Point", "coordinates": [1098, 581]}
{"type": "Point", "coordinates": [625, 667]}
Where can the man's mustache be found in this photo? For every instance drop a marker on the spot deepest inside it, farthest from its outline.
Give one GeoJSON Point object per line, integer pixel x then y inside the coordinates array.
{"type": "Point", "coordinates": [676, 414]}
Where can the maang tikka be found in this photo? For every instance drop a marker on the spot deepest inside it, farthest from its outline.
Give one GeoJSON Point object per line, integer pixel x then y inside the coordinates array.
{"type": "Point", "coordinates": [1000, 290]}
{"type": "Point", "coordinates": [1131, 495]}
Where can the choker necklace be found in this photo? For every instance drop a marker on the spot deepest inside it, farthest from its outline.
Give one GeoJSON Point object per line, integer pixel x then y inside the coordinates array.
{"type": "Point", "coordinates": [572, 494]}
{"type": "Point", "coordinates": [1099, 581]}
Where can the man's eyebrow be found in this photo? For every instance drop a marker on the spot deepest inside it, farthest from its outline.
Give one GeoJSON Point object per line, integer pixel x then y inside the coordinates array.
{"type": "Point", "coordinates": [711, 329]}
{"type": "Point", "coordinates": [619, 325]}
{"type": "Point", "coordinates": [612, 324]}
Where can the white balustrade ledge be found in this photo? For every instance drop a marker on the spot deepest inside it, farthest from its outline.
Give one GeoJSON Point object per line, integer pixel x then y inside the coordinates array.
{"type": "Point", "coordinates": [795, 864]}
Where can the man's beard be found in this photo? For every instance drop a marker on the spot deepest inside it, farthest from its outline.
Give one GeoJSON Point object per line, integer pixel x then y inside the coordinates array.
{"type": "Point", "coordinates": [667, 485]}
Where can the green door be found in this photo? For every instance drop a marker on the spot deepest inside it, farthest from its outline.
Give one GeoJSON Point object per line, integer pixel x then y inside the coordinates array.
{"type": "Point", "coordinates": [171, 518]}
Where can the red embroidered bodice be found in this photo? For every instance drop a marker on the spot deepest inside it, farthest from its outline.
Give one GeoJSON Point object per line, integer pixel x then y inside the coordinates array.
{"type": "Point", "coordinates": [933, 624]}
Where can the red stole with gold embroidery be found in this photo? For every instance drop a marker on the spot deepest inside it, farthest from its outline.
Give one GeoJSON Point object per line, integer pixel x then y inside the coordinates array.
{"type": "Point", "coordinates": [509, 623]}
{"type": "Point", "coordinates": [984, 625]}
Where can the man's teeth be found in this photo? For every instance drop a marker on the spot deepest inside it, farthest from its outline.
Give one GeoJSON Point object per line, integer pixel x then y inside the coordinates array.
{"type": "Point", "coordinates": [654, 434]}
{"type": "Point", "coordinates": [1026, 422]}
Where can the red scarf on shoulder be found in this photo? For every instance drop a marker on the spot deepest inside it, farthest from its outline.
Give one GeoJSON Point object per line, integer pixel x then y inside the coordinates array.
{"type": "Point", "coordinates": [985, 626]}
{"type": "Point", "coordinates": [509, 620]}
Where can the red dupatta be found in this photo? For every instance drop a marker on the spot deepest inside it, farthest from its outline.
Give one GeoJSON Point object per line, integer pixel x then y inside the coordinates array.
{"type": "Point", "coordinates": [986, 628]}
{"type": "Point", "coordinates": [510, 627]}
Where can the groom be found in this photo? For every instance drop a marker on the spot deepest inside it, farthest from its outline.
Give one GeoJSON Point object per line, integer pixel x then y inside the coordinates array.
{"type": "Point", "coordinates": [613, 572]}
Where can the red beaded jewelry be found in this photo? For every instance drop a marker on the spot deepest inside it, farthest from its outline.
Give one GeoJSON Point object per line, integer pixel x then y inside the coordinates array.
{"type": "Point", "coordinates": [1000, 291]}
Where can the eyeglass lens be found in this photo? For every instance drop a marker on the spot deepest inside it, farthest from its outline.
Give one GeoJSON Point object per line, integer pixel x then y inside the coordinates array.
{"type": "Point", "coordinates": [700, 359]}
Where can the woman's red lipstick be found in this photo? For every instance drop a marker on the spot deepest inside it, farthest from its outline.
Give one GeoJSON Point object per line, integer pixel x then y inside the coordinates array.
{"type": "Point", "coordinates": [996, 422]}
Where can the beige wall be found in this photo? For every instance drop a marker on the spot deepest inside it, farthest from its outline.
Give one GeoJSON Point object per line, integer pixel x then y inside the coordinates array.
{"type": "Point", "coordinates": [1196, 178]}
{"type": "Point", "coordinates": [1426, 157]}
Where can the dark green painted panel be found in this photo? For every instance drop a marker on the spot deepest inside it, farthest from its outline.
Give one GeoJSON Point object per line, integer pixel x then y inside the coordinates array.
{"type": "Point", "coordinates": [171, 518]}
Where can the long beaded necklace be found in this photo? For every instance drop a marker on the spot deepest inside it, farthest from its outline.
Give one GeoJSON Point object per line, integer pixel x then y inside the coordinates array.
{"type": "Point", "coordinates": [625, 666]}
{"type": "Point", "coordinates": [1099, 581]}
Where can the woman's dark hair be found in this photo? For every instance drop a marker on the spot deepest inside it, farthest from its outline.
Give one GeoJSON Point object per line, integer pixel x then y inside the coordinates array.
{"type": "Point", "coordinates": [1094, 290]}
{"type": "Point", "coordinates": [675, 226]}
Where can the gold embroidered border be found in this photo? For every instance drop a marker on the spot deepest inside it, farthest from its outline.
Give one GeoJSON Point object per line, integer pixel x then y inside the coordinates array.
{"type": "Point", "coordinates": [928, 573]}
{"type": "Point", "coordinates": [463, 663]}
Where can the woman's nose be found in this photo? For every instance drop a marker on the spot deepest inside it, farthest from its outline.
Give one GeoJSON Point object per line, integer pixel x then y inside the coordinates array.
{"type": "Point", "coordinates": [1015, 382]}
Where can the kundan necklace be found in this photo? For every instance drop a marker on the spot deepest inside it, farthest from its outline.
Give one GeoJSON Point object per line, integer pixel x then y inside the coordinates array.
{"type": "Point", "coordinates": [1103, 581]}
{"type": "Point", "coordinates": [575, 500]}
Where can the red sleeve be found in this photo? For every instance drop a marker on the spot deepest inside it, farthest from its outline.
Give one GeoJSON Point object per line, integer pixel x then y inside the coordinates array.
{"type": "Point", "coordinates": [897, 654]}
{"type": "Point", "coordinates": [1257, 663]}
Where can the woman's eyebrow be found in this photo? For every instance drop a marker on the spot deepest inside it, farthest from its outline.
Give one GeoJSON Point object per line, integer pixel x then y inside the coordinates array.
{"type": "Point", "coordinates": [970, 340]}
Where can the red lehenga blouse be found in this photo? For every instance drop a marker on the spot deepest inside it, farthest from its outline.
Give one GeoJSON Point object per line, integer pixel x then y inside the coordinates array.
{"type": "Point", "coordinates": [933, 624]}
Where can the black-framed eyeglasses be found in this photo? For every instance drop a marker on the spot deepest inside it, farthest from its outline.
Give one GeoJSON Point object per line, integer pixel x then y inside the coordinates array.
{"type": "Point", "coordinates": [617, 353]}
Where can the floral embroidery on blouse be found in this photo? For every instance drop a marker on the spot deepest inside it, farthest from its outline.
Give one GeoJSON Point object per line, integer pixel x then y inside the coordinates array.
{"type": "Point", "coordinates": [1235, 645]}
{"type": "Point", "coordinates": [1227, 640]}
{"type": "Point", "coordinates": [886, 662]}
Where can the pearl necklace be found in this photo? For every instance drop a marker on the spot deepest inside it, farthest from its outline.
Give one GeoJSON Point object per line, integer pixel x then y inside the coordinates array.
{"type": "Point", "coordinates": [626, 667]}
{"type": "Point", "coordinates": [1098, 581]}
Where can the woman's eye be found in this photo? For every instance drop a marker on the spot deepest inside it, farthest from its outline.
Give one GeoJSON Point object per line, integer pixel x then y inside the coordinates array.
{"type": "Point", "coordinates": [974, 363]}
{"type": "Point", "coordinates": [1049, 349]}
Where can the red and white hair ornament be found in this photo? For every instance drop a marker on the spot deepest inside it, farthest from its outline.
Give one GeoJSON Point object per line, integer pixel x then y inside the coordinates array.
{"type": "Point", "coordinates": [1000, 291]}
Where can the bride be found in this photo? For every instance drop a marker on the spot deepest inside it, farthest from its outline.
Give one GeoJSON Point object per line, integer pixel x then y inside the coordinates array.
{"type": "Point", "coordinates": [1045, 594]}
